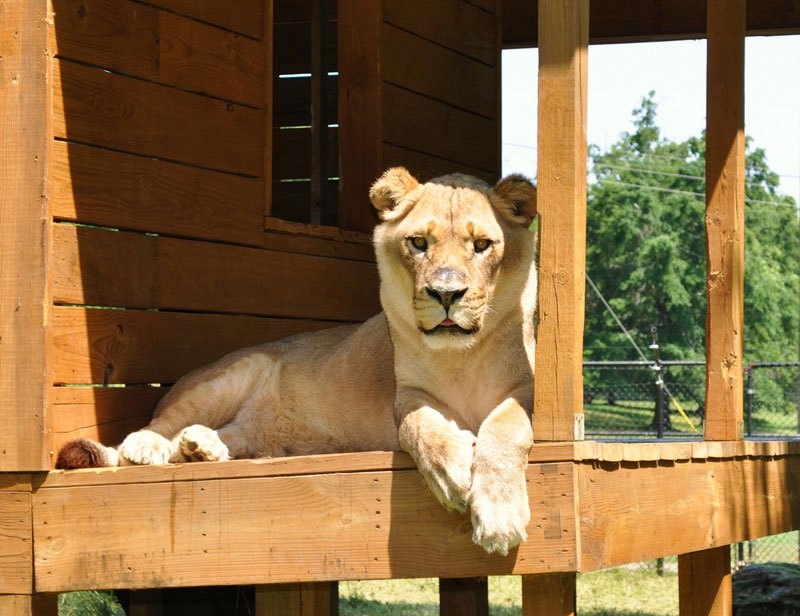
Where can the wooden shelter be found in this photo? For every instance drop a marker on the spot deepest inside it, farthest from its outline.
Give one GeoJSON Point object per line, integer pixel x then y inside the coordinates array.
{"type": "Point", "coordinates": [180, 178]}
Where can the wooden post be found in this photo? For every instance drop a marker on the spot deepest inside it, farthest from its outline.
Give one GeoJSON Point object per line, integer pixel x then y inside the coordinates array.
{"type": "Point", "coordinates": [464, 596]}
{"type": "Point", "coordinates": [705, 582]}
{"type": "Point", "coordinates": [558, 406]}
{"type": "Point", "coordinates": [308, 599]}
{"type": "Point", "coordinates": [563, 51]}
{"type": "Point", "coordinates": [24, 233]}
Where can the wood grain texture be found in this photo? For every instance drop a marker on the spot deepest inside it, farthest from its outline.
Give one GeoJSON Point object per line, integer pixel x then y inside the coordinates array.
{"type": "Point", "coordinates": [110, 110]}
{"type": "Point", "coordinates": [725, 195]}
{"type": "Point", "coordinates": [16, 543]}
{"type": "Point", "coordinates": [244, 16]}
{"type": "Point", "coordinates": [24, 233]}
{"type": "Point", "coordinates": [563, 47]}
{"type": "Point", "coordinates": [111, 189]}
{"type": "Point", "coordinates": [549, 593]}
{"type": "Point", "coordinates": [706, 583]}
{"type": "Point", "coordinates": [161, 46]}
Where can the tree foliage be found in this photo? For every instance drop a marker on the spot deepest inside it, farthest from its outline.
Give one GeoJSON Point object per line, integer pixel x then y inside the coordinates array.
{"type": "Point", "coordinates": [646, 249]}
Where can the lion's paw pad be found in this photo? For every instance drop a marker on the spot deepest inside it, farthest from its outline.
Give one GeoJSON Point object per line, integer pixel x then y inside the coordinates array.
{"type": "Point", "coordinates": [201, 444]}
{"type": "Point", "coordinates": [499, 527]}
{"type": "Point", "coordinates": [145, 447]}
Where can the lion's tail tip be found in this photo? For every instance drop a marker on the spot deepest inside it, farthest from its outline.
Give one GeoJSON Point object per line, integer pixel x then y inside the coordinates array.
{"type": "Point", "coordinates": [82, 453]}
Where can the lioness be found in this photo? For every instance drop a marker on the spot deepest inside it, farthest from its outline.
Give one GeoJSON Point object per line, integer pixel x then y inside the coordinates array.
{"type": "Point", "coordinates": [445, 372]}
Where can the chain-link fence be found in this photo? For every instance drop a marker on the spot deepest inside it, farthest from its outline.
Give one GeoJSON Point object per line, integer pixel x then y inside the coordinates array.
{"type": "Point", "coordinates": [631, 400]}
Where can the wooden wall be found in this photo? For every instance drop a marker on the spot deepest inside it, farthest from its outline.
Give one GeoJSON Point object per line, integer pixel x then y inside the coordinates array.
{"type": "Point", "coordinates": [161, 130]}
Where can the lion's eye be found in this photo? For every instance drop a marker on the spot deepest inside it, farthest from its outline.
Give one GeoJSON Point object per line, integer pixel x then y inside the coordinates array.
{"type": "Point", "coordinates": [419, 244]}
{"type": "Point", "coordinates": [482, 244]}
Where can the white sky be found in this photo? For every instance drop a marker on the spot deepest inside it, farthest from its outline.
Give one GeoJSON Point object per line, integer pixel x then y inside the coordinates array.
{"type": "Point", "coordinates": [620, 75]}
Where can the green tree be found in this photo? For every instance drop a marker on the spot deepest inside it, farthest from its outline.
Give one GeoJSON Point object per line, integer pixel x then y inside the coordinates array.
{"type": "Point", "coordinates": [646, 249]}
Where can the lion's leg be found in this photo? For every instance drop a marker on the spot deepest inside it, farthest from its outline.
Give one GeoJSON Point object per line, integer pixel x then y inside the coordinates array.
{"type": "Point", "coordinates": [443, 454]}
{"type": "Point", "coordinates": [498, 497]}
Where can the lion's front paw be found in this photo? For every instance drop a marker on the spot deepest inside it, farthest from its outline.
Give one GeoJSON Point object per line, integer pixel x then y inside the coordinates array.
{"type": "Point", "coordinates": [145, 447]}
{"type": "Point", "coordinates": [200, 444]}
{"type": "Point", "coordinates": [449, 474]}
{"type": "Point", "coordinates": [499, 517]}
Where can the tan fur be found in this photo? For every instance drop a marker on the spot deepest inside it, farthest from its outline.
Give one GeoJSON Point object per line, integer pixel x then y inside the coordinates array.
{"type": "Point", "coordinates": [445, 372]}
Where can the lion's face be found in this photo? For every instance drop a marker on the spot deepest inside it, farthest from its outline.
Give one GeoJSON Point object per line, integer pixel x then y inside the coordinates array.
{"type": "Point", "coordinates": [454, 254]}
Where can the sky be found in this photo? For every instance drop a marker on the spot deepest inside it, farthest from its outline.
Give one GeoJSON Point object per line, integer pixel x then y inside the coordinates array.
{"type": "Point", "coordinates": [621, 75]}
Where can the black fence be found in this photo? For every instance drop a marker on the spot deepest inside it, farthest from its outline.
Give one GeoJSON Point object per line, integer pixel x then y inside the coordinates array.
{"type": "Point", "coordinates": [665, 399]}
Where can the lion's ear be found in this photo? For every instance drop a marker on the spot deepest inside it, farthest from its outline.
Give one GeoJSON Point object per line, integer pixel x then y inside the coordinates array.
{"type": "Point", "coordinates": [517, 198]}
{"type": "Point", "coordinates": [390, 189]}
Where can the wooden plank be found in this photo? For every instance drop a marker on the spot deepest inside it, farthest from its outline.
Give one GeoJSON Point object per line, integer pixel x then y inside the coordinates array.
{"type": "Point", "coordinates": [550, 593]}
{"type": "Point", "coordinates": [24, 237]}
{"type": "Point", "coordinates": [360, 110]}
{"type": "Point", "coordinates": [706, 583]}
{"type": "Point", "coordinates": [29, 605]}
{"type": "Point", "coordinates": [429, 69]}
{"type": "Point", "coordinates": [16, 543]}
{"type": "Point", "coordinates": [310, 599]}
{"type": "Point", "coordinates": [155, 45]}
{"type": "Point", "coordinates": [621, 21]}
{"type": "Point", "coordinates": [104, 109]}
{"type": "Point", "coordinates": [471, 31]}
{"type": "Point", "coordinates": [458, 136]}
{"type": "Point", "coordinates": [425, 167]}
{"type": "Point", "coordinates": [117, 190]}
{"type": "Point", "coordinates": [142, 347]}
{"type": "Point", "coordinates": [464, 596]}
{"type": "Point", "coordinates": [633, 512]}
{"type": "Point", "coordinates": [316, 240]}
{"type": "Point", "coordinates": [563, 36]}
{"type": "Point", "coordinates": [243, 16]}
{"type": "Point", "coordinates": [167, 273]}
{"type": "Point", "coordinates": [725, 178]}
{"type": "Point", "coordinates": [336, 526]}
{"type": "Point", "coordinates": [293, 100]}
{"type": "Point", "coordinates": [293, 45]}
{"type": "Point", "coordinates": [292, 150]}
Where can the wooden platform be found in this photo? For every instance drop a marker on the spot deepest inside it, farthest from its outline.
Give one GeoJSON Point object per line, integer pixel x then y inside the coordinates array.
{"type": "Point", "coordinates": [368, 516]}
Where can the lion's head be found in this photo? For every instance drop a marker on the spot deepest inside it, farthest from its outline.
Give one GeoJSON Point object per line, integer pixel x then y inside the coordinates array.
{"type": "Point", "coordinates": [455, 255]}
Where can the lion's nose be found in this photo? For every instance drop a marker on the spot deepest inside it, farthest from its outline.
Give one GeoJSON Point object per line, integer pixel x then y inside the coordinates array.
{"type": "Point", "coordinates": [447, 285]}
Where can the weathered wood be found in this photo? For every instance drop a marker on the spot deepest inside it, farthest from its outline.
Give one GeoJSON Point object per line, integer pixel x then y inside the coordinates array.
{"type": "Point", "coordinates": [167, 273]}
{"type": "Point", "coordinates": [117, 190]}
{"type": "Point", "coordinates": [549, 593]}
{"type": "Point", "coordinates": [464, 596]}
{"type": "Point", "coordinates": [24, 235]}
{"type": "Point", "coordinates": [105, 109]}
{"type": "Point", "coordinates": [141, 347]}
{"type": "Point", "coordinates": [16, 543]}
{"type": "Point", "coordinates": [29, 605]}
{"type": "Point", "coordinates": [156, 45]}
{"type": "Point", "coordinates": [563, 50]}
{"type": "Point", "coordinates": [335, 526]}
{"type": "Point", "coordinates": [360, 119]}
{"type": "Point", "coordinates": [706, 583]}
{"type": "Point", "coordinates": [725, 177]}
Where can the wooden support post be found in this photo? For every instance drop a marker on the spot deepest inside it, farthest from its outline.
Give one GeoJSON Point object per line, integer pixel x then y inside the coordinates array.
{"type": "Point", "coordinates": [725, 220]}
{"type": "Point", "coordinates": [25, 82]}
{"type": "Point", "coordinates": [307, 599]}
{"type": "Point", "coordinates": [548, 594]}
{"type": "Point", "coordinates": [563, 53]}
{"type": "Point", "coordinates": [705, 583]}
{"type": "Point", "coordinates": [464, 597]}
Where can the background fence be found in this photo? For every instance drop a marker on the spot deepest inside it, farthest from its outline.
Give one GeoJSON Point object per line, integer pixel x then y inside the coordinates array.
{"type": "Point", "coordinates": [634, 400]}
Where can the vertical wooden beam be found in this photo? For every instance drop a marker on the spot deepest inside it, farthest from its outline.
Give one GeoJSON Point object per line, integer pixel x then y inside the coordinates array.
{"type": "Point", "coordinates": [705, 583]}
{"type": "Point", "coordinates": [725, 219]}
{"type": "Point", "coordinates": [360, 118]}
{"type": "Point", "coordinates": [549, 593]}
{"type": "Point", "coordinates": [268, 108]}
{"type": "Point", "coordinates": [308, 599]}
{"type": "Point", "coordinates": [319, 110]}
{"type": "Point", "coordinates": [563, 54]}
{"type": "Point", "coordinates": [25, 68]}
{"type": "Point", "coordinates": [464, 597]}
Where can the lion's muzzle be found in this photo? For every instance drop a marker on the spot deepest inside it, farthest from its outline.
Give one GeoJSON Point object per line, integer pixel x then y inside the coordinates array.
{"type": "Point", "coordinates": [446, 286]}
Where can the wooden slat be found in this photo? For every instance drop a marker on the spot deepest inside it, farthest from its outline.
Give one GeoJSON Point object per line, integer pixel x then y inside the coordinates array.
{"type": "Point", "coordinates": [110, 189]}
{"type": "Point", "coordinates": [293, 47]}
{"type": "Point", "coordinates": [563, 33]}
{"type": "Point", "coordinates": [100, 108]}
{"type": "Point", "coordinates": [360, 107]}
{"type": "Point", "coordinates": [24, 239]}
{"type": "Point", "coordinates": [243, 16]}
{"type": "Point", "coordinates": [421, 66]}
{"type": "Point", "coordinates": [292, 150]}
{"type": "Point", "coordinates": [452, 134]}
{"type": "Point", "coordinates": [424, 167]}
{"type": "Point", "coordinates": [114, 269]}
{"type": "Point", "coordinates": [426, 19]}
{"type": "Point", "coordinates": [725, 177]}
{"type": "Point", "coordinates": [140, 347]}
{"type": "Point", "coordinates": [155, 45]}
{"type": "Point", "coordinates": [306, 528]}
{"type": "Point", "coordinates": [16, 543]}
{"type": "Point", "coordinates": [293, 100]}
